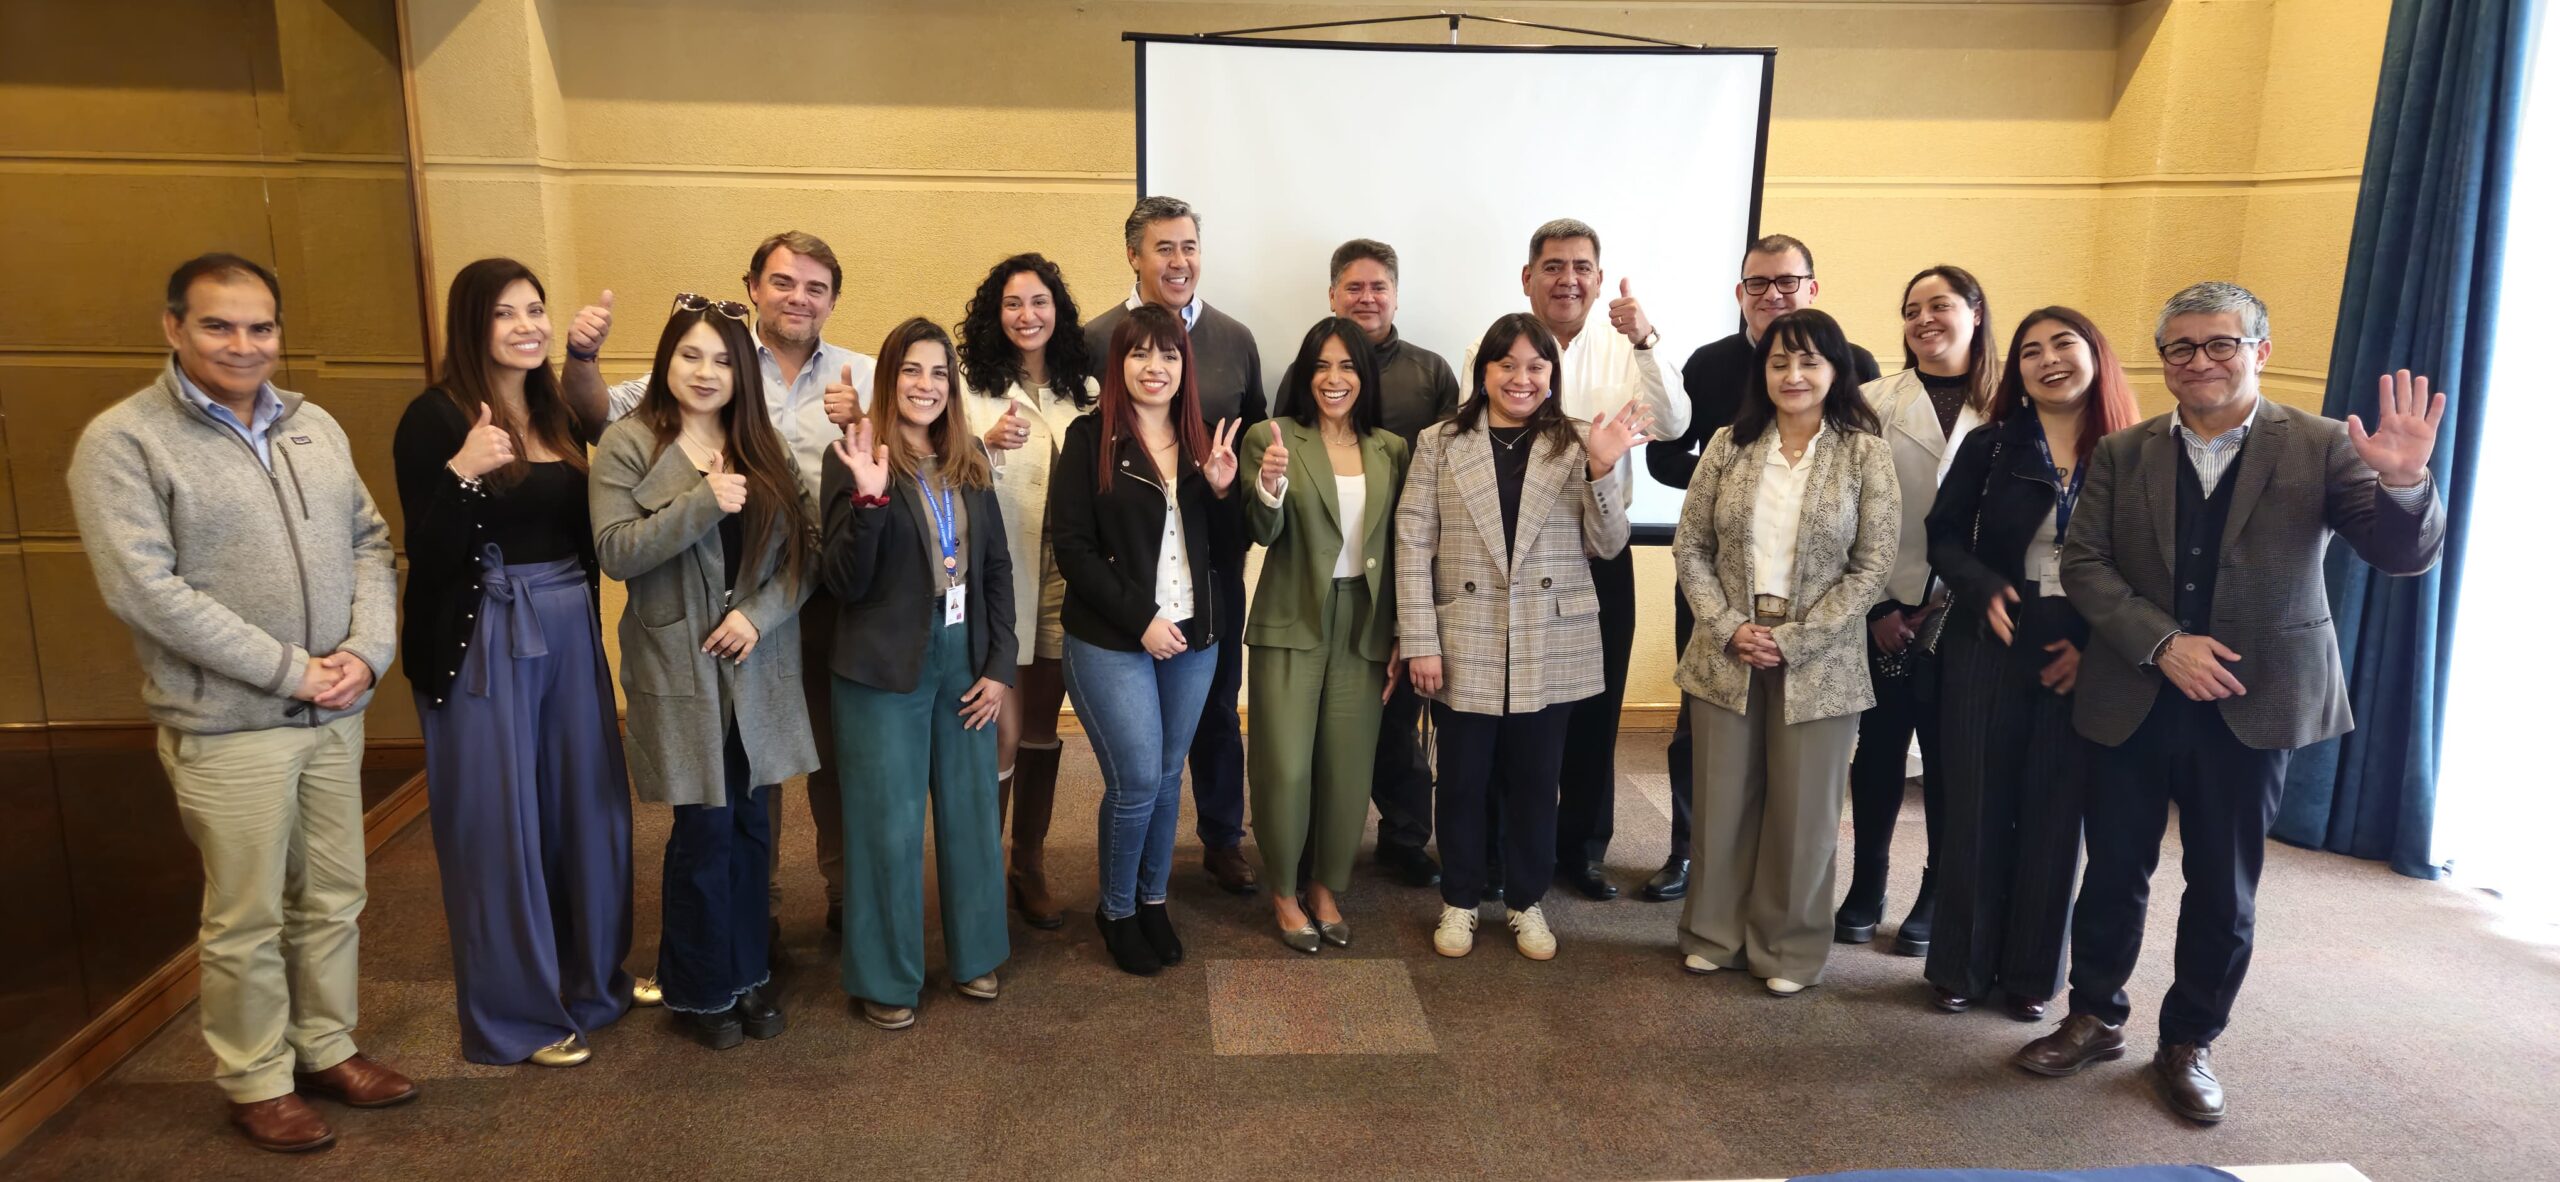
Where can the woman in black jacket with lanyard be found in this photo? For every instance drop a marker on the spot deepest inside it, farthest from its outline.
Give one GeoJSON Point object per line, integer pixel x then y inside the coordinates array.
{"type": "Point", "coordinates": [2011, 651]}
{"type": "Point", "coordinates": [1138, 507]}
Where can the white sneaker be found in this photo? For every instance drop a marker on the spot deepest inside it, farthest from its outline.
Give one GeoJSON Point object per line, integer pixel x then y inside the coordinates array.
{"type": "Point", "coordinates": [1457, 933]}
{"type": "Point", "coordinates": [1698, 964]}
{"type": "Point", "coordinates": [1784, 987]}
{"type": "Point", "coordinates": [1529, 928]}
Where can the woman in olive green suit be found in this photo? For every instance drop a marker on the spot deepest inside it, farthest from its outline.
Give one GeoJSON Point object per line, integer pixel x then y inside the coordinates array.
{"type": "Point", "coordinates": [1322, 630]}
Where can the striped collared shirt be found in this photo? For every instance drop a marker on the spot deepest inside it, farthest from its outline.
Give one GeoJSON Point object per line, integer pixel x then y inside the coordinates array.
{"type": "Point", "coordinates": [2212, 457]}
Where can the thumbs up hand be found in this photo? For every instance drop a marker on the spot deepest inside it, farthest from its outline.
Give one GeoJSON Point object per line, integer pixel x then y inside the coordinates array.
{"type": "Point", "coordinates": [843, 402]}
{"type": "Point", "coordinates": [485, 449]}
{"type": "Point", "coordinates": [1275, 466]}
{"type": "Point", "coordinates": [593, 323]}
{"type": "Point", "coordinates": [1627, 316]}
{"type": "Point", "coordinates": [1010, 431]}
{"type": "Point", "coordinates": [728, 488]}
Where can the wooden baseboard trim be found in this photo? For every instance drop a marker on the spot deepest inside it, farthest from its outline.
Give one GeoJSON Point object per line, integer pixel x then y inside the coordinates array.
{"type": "Point", "coordinates": [51, 1085]}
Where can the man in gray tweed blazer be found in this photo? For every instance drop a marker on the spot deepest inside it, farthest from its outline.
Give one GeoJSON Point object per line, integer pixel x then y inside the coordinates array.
{"type": "Point", "coordinates": [2195, 551]}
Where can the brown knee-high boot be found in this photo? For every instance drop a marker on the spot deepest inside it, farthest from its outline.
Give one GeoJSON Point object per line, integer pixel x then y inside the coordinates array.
{"type": "Point", "coordinates": [1035, 790]}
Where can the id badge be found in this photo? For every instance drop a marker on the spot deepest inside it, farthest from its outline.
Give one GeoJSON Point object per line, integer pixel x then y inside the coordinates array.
{"type": "Point", "coordinates": [955, 605]}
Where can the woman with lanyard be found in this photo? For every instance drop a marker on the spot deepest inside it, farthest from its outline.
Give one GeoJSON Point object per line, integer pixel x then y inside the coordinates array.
{"type": "Point", "coordinates": [1785, 539]}
{"type": "Point", "coordinates": [914, 551]}
{"type": "Point", "coordinates": [2014, 765]}
{"type": "Point", "coordinates": [1505, 506]}
{"type": "Point", "coordinates": [699, 510]}
{"type": "Point", "coordinates": [1023, 351]}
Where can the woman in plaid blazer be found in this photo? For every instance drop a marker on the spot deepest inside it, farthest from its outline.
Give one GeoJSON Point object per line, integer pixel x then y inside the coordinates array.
{"type": "Point", "coordinates": [1503, 509]}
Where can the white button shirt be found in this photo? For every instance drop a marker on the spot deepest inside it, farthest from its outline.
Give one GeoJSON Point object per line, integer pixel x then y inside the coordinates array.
{"type": "Point", "coordinates": [1604, 371]}
{"type": "Point", "coordinates": [1777, 512]}
{"type": "Point", "coordinates": [1173, 570]}
{"type": "Point", "coordinates": [798, 408]}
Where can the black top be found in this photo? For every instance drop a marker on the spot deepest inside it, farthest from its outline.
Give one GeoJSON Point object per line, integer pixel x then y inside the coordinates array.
{"type": "Point", "coordinates": [446, 527]}
{"type": "Point", "coordinates": [1717, 377]}
{"type": "Point", "coordinates": [2201, 518]}
{"type": "Point", "coordinates": [1107, 544]}
{"type": "Point", "coordinates": [889, 597]}
{"type": "Point", "coordinates": [733, 546]}
{"type": "Point", "coordinates": [1946, 396]}
{"type": "Point", "coordinates": [1511, 447]}
{"type": "Point", "coordinates": [1998, 474]}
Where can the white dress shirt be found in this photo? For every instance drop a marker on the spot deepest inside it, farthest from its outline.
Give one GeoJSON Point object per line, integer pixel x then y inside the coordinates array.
{"type": "Point", "coordinates": [1604, 371]}
{"type": "Point", "coordinates": [1173, 570]}
{"type": "Point", "coordinates": [798, 408]}
{"type": "Point", "coordinates": [1777, 513]}
{"type": "Point", "coordinates": [1351, 495]}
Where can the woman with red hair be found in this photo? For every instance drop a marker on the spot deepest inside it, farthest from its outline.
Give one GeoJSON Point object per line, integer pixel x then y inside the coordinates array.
{"type": "Point", "coordinates": [2011, 652]}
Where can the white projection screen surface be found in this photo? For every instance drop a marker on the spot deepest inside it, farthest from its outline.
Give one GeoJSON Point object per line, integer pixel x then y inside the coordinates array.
{"type": "Point", "coordinates": [1453, 155]}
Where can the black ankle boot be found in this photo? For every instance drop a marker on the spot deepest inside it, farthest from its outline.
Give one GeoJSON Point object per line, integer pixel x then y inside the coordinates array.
{"type": "Point", "coordinates": [1912, 938]}
{"type": "Point", "coordinates": [719, 1031]}
{"type": "Point", "coordinates": [1156, 924]}
{"type": "Point", "coordinates": [758, 1015]}
{"type": "Point", "coordinates": [1128, 945]}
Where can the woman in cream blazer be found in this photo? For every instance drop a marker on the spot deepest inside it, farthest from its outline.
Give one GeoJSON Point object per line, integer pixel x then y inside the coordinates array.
{"type": "Point", "coordinates": [1785, 539]}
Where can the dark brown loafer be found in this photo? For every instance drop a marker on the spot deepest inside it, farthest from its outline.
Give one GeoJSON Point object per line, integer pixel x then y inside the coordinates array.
{"type": "Point", "coordinates": [359, 1082]}
{"type": "Point", "coordinates": [282, 1125]}
{"type": "Point", "coordinates": [2025, 1009]}
{"type": "Point", "coordinates": [2080, 1041]}
{"type": "Point", "coordinates": [1234, 873]}
{"type": "Point", "coordinates": [2185, 1072]}
{"type": "Point", "coordinates": [1951, 1001]}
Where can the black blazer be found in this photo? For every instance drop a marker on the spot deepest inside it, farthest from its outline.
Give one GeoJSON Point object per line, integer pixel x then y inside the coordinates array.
{"type": "Point", "coordinates": [440, 525]}
{"type": "Point", "coordinates": [873, 562]}
{"type": "Point", "coordinates": [1107, 544]}
{"type": "Point", "coordinates": [2010, 492]}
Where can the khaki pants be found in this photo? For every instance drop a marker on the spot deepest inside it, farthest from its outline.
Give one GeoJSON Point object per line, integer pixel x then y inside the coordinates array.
{"type": "Point", "coordinates": [1764, 830]}
{"type": "Point", "coordinates": [279, 818]}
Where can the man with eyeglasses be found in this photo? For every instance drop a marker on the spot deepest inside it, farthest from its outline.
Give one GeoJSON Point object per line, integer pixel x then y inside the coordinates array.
{"type": "Point", "coordinates": [812, 388]}
{"type": "Point", "coordinates": [2195, 551]}
{"type": "Point", "coordinates": [1617, 363]}
{"type": "Point", "coordinates": [1777, 278]}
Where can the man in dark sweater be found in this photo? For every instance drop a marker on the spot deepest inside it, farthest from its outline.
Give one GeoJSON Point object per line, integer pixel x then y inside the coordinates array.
{"type": "Point", "coordinates": [1777, 278]}
{"type": "Point", "coordinates": [1163, 239]}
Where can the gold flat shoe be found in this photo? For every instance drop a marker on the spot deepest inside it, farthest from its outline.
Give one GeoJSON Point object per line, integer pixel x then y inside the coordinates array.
{"type": "Point", "coordinates": [981, 988]}
{"type": "Point", "coordinates": [645, 992]}
{"type": "Point", "coordinates": [568, 1052]}
{"type": "Point", "coordinates": [888, 1017]}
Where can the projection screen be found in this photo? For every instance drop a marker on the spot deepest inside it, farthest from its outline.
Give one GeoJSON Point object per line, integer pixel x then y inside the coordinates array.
{"type": "Point", "coordinates": [1452, 154]}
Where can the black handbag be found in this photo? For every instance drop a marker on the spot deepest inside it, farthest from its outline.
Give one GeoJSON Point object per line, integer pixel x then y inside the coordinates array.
{"type": "Point", "coordinates": [1919, 659]}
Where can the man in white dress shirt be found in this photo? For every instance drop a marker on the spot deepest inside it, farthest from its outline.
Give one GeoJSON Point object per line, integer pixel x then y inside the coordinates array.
{"type": "Point", "coordinates": [1617, 362]}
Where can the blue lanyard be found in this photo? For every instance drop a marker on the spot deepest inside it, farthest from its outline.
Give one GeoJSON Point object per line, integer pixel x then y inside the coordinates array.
{"type": "Point", "coordinates": [2064, 495]}
{"type": "Point", "coordinates": [946, 526]}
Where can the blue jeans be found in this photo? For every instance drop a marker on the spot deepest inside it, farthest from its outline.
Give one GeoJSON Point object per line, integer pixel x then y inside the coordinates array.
{"type": "Point", "coordinates": [1139, 713]}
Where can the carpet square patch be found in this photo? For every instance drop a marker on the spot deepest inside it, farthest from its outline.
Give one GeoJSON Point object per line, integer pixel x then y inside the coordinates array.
{"type": "Point", "coordinates": [1335, 1006]}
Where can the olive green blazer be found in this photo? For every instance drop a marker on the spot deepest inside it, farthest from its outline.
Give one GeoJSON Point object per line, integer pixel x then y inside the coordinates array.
{"type": "Point", "coordinates": [1304, 536]}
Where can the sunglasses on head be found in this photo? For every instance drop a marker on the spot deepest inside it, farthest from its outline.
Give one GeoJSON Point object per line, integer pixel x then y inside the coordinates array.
{"type": "Point", "coordinates": [689, 302]}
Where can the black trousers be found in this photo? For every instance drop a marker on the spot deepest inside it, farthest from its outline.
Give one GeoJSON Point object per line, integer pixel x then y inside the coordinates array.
{"type": "Point", "coordinates": [1217, 748]}
{"type": "Point", "coordinates": [1507, 761]}
{"type": "Point", "coordinates": [1586, 811]}
{"type": "Point", "coordinates": [1400, 781]}
{"type": "Point", "coordinates": [1876, 777]}
{"type": "Point", "coordinates": [1683, 767]}
{"type": "Point", "coordinates": [2226, 795]}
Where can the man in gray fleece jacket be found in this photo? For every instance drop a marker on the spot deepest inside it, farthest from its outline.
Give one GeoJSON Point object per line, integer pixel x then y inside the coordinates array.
{"type": "Point", "coordinates": [229, 530]}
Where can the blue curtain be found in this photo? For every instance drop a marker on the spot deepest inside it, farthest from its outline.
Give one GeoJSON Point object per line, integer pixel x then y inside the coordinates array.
{"type": "Point", "coordinates": [2421, 294]}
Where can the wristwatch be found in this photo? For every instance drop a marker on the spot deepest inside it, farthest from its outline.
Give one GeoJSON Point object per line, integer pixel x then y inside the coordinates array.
{"type": "Point", "coordinates": [1650, 339]}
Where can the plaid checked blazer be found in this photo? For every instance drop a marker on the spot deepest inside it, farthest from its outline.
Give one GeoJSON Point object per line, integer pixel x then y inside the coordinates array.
{"type": "Point", "coordinates": [1516, 632]}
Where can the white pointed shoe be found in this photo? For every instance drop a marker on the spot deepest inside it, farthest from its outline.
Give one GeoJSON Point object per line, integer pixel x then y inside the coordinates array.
{"type": "Point", "coordinates": [1782, 987]}
{"type": "Point", "coordinates": [1529, 930]}
{"type": "Point", "coordinates": [1456, 935]}
{"type": "Point", "coordinates": [1694, 963]}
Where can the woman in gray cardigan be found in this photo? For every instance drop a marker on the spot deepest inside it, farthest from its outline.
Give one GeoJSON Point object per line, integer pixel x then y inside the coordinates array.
{"type": "Point", "coordinates": [698, 509]}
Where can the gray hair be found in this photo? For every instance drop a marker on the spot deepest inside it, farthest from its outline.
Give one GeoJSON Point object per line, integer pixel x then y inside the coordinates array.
{"type": "Point", "coordinates": [1562, 228]}
{"type": "Point", "coordinates": [1364, 248]}
{"type": "Point", "coordinates": [2210, 298]}
{"type": "Point", "coordinates": [1151, 210]}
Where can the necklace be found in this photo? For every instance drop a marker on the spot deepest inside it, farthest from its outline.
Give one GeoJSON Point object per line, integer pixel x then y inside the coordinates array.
{"type": "Point", "coordinates": [1518, 434]}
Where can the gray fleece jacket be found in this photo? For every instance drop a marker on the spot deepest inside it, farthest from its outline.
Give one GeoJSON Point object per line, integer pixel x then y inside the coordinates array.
{"type": "Point", "coordinates": [232, 577]}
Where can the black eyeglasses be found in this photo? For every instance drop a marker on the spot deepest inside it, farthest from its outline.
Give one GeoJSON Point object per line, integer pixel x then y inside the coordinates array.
{"type": "Point", "coordinates": [2180, 352]}
{"type": "Point", "coordinates": [1786, 284]}
{"type": "Point", "coordinates": [689, 302]}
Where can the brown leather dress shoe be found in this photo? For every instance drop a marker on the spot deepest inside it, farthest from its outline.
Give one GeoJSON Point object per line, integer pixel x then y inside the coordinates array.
{"type": "Point", "coordinates": [2080, 1041]}
{"type": "Point", "coordinates": [2185, 1072]}
{"type": "Point", "coordinates": [1951, 1001]}
{"type": "Point", "coordinates": [1234, 873]}
{"type": "Point", "coordinates": [282, 1125]}
{"type": "Point", "coordinates": [359, 1083]}
{"type": "Point", "coordinates": [2025, 1009]}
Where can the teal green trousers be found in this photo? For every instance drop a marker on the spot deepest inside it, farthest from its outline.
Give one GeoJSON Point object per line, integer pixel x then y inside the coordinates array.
{"type": "Point", "coordinates": [1315, 739]}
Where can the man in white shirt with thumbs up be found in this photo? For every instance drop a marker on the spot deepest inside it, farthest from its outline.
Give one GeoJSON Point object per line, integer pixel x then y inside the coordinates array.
{"type": "Point", "coordinates": [811, 389]}
{"type": "Point", "coordinates": [1620, 359]}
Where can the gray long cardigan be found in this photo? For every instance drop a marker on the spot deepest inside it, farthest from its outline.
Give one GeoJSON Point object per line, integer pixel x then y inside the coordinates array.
{"type": "Point", "coordinates": [658, 530]}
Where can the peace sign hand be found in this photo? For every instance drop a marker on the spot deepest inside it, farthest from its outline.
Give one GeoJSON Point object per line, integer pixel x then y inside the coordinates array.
{"type": "Point", "coordinates": [2404, 433]}
{"type": "Point", "coordinates": [1615, 435]}
{"type": "Point", "coordinates": [868, 461]}
{"type": "Point", "coordinates": [1220, 466]}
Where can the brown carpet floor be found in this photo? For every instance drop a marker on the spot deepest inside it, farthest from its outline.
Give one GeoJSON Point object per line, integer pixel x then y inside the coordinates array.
{"type": "Point", "coordinates": [2388, 1023]}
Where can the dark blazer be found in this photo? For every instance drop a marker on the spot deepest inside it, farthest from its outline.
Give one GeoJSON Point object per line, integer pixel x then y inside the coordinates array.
{"type": "Point", "coordinates": [887, 597]}
{"type": "Point", "coordinates": [439, 528]}
{"type": "Point", "coordinates": [2297, 482]}
{"type": "Point", "coordinates": [1107, 544]}
{"type": "Point", "coordinates": [2012, 498]}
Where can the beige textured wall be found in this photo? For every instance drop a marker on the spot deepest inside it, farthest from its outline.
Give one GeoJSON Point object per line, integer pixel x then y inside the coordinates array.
{"type": "Point", "coordinates": [2093, 154]}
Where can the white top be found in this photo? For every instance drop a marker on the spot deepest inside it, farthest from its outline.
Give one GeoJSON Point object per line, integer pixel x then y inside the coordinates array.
{"type": "Point", "coordinates": [798, 409]}
{"type": "Point", "coordinates": [1604, 371]}
{"type": "Point", "coordinates": [1777, 513]}
{"type": "Point", "coordinates": [2044, 558]}
{"type": "Point", "coordinates": [1022, 487]}
{"type": "Point", "coordinates": [1173, 572]}
{"type": "Point", "coordinates": [1351, 495]}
